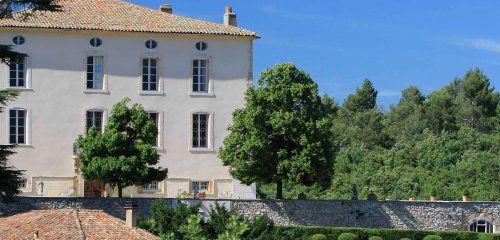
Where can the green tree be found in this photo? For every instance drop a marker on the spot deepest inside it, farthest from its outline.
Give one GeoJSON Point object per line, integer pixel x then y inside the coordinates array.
{"type": "Point", "coordinates": [122, 155]}
{"type": "Point", "coordinates": [478, 102]}
{"type": "Point", "coordinates": [364, 99]}
{"type": "Point", "coordinates": [10, 178]}
{"type": "Point", "coordinates": [281, 135]}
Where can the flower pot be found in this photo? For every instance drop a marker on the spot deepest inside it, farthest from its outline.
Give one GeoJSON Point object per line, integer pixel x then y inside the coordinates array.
{"type": "Point", "coordinates": [465, 198]}
{"type": "Point", "coordinates": [201, 195]}
{"type": "Point", "coordinates": [433, 198]}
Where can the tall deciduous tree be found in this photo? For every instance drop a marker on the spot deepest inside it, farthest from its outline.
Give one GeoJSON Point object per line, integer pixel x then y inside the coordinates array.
{"type": "Point", "coordinates": [10, 178]}
{"type": "Point", "coordinates": [122, 155]}
{"type": "Point", "coordinates": [281, 135]}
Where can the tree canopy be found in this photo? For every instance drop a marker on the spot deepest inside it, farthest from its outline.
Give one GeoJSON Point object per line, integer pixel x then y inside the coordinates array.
{"type": "Point", "coordinates": [122, 155]}
{"type": "Point", "coordinates": [281, 135]}
{"type": "Point", "coordinates": [446, 143]}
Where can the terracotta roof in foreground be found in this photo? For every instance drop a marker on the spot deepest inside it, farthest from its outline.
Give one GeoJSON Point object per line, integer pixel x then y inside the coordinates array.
{"type": "Point", "coordinates": [118, 16]}
{"type": "Point", "coordinates": [68, 224]}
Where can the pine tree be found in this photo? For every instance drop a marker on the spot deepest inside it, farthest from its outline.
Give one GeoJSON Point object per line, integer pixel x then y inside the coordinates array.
{"type": "Point", "coordinates": [10, 178]}
{"type": "Point", "coordinates": [364, 99]}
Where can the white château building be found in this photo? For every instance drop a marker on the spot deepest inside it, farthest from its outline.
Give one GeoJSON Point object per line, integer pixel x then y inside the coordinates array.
{"type": "Point", "coordinates": [189, 75]}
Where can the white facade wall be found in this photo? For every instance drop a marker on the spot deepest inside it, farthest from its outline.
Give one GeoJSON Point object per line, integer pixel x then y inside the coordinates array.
{"type": "Point", "coordinates": [57, 100]}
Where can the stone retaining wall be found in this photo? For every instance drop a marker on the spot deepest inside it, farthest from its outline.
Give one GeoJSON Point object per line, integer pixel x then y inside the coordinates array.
{"type": "Point", "coordinates": [372, 214]}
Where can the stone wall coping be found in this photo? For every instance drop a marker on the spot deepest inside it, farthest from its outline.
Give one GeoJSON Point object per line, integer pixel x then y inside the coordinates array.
{"type": "Point", "coordinates": [263, 200]}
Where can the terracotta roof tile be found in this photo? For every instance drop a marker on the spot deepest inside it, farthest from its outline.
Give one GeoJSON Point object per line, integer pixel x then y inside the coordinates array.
{"type": "Point", "coordinates": [68, 224]}
{"type": "Point", "coordinates": [116, 15]}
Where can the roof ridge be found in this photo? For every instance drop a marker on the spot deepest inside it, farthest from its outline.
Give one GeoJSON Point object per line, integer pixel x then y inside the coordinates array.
{"type": "Point", "coordinates": [79, 225]}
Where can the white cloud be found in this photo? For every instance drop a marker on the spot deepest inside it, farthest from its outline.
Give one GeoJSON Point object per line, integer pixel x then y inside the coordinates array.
{"type": "Point", "coordinates": [482, 44]}
{"type": "Point", "coordinates": [388, 93]}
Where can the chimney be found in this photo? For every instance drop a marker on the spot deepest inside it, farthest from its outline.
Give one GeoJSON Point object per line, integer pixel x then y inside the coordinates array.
{"type": "Point", "coordinates": [166, 8]}
{"type": "Point", "coordinates": [131, 214]}
{"type": "Point", "coordinates": [230, 17]}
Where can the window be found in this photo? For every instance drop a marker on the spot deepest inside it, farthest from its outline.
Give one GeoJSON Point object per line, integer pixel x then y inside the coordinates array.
{"type": "Point", "coordinates": [200, 130]}
{"type": "Point", "coordinates": [17, 74]}
{"type": "Point", "coordinates": [18, 40]}
{"type": "Point", "coordinates": [154, 116]}
{"type": "Point", "coordinates": [151, 44]}
{"type": "Point", "coordinates": [94, 119]}
{"type": "Point", "coordinates": [95, 42]}
{"type": "Point", "coordinates": [23, 184]}
{"type": "Point", "coordinates": [201, 46]}
{"type": "Point", "coordinates": [17, 126]}
{"type": "Point", "coordinates": [200, 75]}
{"type": "Point", "coordinates": [481, 226]}
{"type": "Point", "coordinates": [201, 186]}
{"type": "Point", "coordinates": [149, 74]}
{"type": "Point", "coordinates": [150, 187]}
{"type": "Point", "coordinates": [95, 72]}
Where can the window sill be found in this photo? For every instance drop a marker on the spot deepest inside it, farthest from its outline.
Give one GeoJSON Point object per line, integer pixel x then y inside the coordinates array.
{"type": "Point", "coordinates": [95, 91]}
{"type": "Point", "coordinates": [201, 95]}
{"type": "Point", "coordinates": [23, 146]}
{"type": "Point", "coordinates": [151, 93]}
{"type": "Point", "coordinates": [21, 89]}
{"type": "Point", "coordinates": [150, 191]}
{"type": "Point", "coordinates": [201, 150]}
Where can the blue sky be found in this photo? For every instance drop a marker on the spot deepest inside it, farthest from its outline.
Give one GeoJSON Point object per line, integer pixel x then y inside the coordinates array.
{"type": "Point", "coordinates": [340, 42]}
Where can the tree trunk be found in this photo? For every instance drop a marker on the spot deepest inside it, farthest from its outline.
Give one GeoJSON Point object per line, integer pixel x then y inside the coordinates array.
{"type": "Point", "coordinates": [279, 189]}
{"type": "Point", "coordinates": [120, 189]}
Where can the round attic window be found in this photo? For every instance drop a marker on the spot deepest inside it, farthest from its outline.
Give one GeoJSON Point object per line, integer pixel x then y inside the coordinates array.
{"type": "Point", "coordinates": [201, 46]}
{"type": "Point", "coordinates": [151, 44]}
{"type": "Point", "coordinates": [18, 40]}
{"type": "Point", "coordinates": [95, 42]}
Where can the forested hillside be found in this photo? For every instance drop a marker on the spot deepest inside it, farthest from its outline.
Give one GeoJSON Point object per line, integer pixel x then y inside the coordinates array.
{"type": "Point", "coordinates": [446, 143]}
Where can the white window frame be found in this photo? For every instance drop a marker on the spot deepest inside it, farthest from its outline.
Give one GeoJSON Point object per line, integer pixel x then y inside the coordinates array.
{"type": "Point", "coordinates": [104, 83]}
{"type": "Point", "coordinates": [27, 71]}
{"type": "Point", "coordinates": [84, 118]}
{"type": "Point", "coordinates": [27, 126]}
{"type": "Point", "coordinates": [151, 187]}
{"type": "Point", "coordinates": [210, 82]}
{"type": "Point", "coordinates": [210, 134]}
{"type": "Point", "coordinates": [159, 74]}
{"type": "Point", "coordinates": [201, 183]}
{"type": "Point", "coordinates": [160, 127]}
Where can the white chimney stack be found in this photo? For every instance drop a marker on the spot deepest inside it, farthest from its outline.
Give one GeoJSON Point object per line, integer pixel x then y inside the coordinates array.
{"type": "Point", "coordinates": [230, 17]}
{"type": "Point", "coordinates": [166, 8]}
{"type": "Point", "coordinates": [131, 215]}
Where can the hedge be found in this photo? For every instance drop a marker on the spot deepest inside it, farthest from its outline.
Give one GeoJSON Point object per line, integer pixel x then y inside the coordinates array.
{"type": "Point", "coordinates": [332, 233]}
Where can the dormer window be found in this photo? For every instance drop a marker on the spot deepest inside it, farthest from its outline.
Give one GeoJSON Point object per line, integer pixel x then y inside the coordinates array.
{"type": "Point", "coordinates": [201, 46]}
{"type": "Point", "coordinates": [151, 44]}
{"type": "Point", "coordinates": [95, 42]}
{"type": "Point", "coordinates": [18, 40]}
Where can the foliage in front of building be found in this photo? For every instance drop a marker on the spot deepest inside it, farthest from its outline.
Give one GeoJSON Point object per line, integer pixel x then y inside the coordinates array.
{"type": "Point", "coordinates": [345, 233]}
{"type": "Point", "coordinates": [182, 222]}
{"type": "Point", "coordinates": [281, 135]}
{"type": "Point", "coordinates": [122, 155]}
{"type": "Point", "coordinates": [444, 144]}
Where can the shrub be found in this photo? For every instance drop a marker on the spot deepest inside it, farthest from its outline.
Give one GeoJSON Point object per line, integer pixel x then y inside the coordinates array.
{"type": "Point", "coordinates": [318, 236]}
{"type": "Point", "coordinates": [348, 236]}
{"type": "Point", "coordinates": [375, 238]}
{"type": "Point", "coordinates": [218, 220]}
{"type": "Point", "coordinates": [433, 237]}
{"type": "Point", "coordinates": [166, 219]}
{"type": "Point", "coordinates": [405, 239]}
{"type": "Point", "coordinates": [260, 228]}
